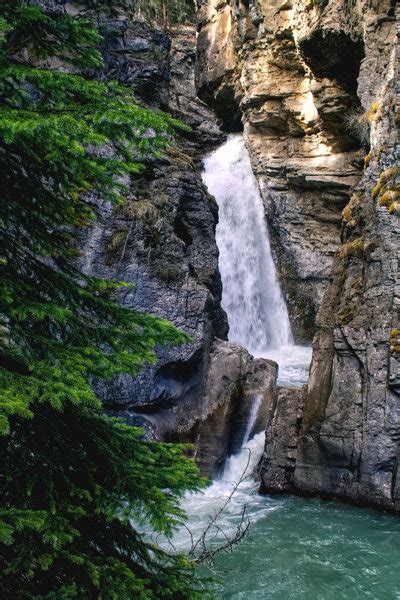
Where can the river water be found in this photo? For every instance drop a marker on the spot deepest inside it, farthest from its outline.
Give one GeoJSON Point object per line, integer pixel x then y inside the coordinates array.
{"type": "Point", "coordinates": [295, 548]}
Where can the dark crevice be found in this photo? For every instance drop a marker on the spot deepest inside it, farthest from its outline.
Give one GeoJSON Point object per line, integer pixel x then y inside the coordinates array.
{"type": "Point", "coordinates": [334, 55]}
{"type": "Point", "coordinates": [181, 230]}
{"type": "Point", "coordinates": [14, 365]}
{"type": "Point", "coordinates": [175, 381]}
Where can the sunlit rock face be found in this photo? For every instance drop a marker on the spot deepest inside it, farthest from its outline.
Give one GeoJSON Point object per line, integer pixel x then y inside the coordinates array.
{"type": "Point", "coordinates": [316, 85]}
{"type": "Point", "coordinates": [293, 81]}
{"type": "Point", "coordinates": [349, 443]}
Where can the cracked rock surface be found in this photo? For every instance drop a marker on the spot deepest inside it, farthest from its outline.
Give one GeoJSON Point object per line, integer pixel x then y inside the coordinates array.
{"type": "Point", "coordinates": [162, 240]}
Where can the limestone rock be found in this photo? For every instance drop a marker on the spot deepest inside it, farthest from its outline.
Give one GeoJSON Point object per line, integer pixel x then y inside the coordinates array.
{"type": "Point", "coordinates": [183, 100]}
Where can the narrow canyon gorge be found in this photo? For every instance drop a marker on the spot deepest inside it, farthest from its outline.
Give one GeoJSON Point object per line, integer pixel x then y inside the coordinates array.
{"type": "Point", "coordinates": [263, 223]}
{"type": "Point", "coordinates": [313, 84]}
{"type": "Point", "coordinates": [311, 87]}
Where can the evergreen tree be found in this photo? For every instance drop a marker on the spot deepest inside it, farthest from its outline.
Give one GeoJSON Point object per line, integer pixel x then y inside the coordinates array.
{"type": "Point", "coordinates": [72, 480]}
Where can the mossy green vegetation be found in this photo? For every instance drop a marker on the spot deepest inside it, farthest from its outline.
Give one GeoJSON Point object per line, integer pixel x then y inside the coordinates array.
{"type": "Point", "coordinates": [353, 248]}
{"type": "Point", "coordinates": [367, 159]}
{"type": "Point", "coordinates": [394, 341]}
{"type": "Point", "coordinates": [349, 303]}
{"type": "Point", "coordinates": [373, 113]}
{"type": "Point", "coordinates": [387, 190]}
{"type": "Point", "coordinates": [347, 213]}
{"type": "Point", "coordinates": [72, 480]}
{"type": "Point", "coordinates": [346, 315]}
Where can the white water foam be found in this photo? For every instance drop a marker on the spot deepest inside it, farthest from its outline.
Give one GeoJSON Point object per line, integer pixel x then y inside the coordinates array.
{"type": "Point", "coordinates": [255, 407]}
{"type": "Point", "coordinates": [258, 320]}
{"type": "Point", "coordinates": [257, 315]}
{"type": "Point", "coordinates": [201, 507]}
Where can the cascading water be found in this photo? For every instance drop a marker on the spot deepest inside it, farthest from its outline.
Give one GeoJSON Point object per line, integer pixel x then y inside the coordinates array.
{"type": "Point", "coordinates": [252, 417]}
{"type": "Point", "coordinates": [258, 320]}
{"type": "Point", "coordinates": [257, 315]}
{"type": "Point", "coordinates": [282, 556]}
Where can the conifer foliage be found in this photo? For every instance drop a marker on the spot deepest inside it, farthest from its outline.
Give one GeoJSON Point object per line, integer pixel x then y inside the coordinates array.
{"type": "Point", "coordinates": [72, 480]}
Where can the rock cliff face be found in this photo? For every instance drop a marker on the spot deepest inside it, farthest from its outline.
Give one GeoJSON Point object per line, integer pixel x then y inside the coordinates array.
{"type": "Point", "coordinates": [349, 442]}
{"type": "Point", "coordinates": [289, 72]}
{"type": "Point", "coordinates": [314, 85]}
{"type": "Point", "coordinates": [162, 239]}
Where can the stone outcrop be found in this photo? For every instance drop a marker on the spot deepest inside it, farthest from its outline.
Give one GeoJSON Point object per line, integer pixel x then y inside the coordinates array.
{"type": "Point", "coordinates": [183, 101]}
{"type": "Point", "coordinates": [277, 466]}
{"type": "Point", "coordinates": [236, 385]}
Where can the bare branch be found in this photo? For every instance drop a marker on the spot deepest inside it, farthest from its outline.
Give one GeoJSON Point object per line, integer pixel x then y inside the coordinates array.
{"type": "Point", "coordinates": [203, 551]}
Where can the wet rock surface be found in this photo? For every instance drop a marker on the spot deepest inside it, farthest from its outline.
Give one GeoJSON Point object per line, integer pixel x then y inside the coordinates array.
{"type": "Point", "coordinates": [235, 383]}
{"type": "Point", "coordinates": [277, 466]}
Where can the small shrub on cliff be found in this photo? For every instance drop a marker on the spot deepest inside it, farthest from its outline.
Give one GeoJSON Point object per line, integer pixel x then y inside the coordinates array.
{"type": "Point", "coordinates": [348, 211]}
{"type": "Point", "coordinates": [387, 190]}
{"type": "Point", "coordinates": [357, 126]}
{"type": "Point", "coordinates": [357, 123]}
{"type": "Point", "coordinates": [354, 248]}
{"type": "Point", "coordinates": [71, 479]}
{"type": "Point", "coordinates": [394, 341]}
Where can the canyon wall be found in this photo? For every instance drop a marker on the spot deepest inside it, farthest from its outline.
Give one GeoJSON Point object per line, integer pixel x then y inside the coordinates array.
{"type": "Point", "coordinates": [287, 72]}
{"type": "Point", "coordinates": [348, 444]}
{"type": "Point", "coordinates": [162, 240]}
{"type": "Point", "coordinates": [314, 85]}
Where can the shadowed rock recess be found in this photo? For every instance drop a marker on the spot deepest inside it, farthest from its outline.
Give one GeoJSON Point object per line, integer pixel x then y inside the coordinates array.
{"type": "Point", "coordinates": [315, 83]}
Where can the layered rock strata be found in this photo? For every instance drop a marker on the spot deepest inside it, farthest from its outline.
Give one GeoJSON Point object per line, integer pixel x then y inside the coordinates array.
{"type": "Point", "coordinates": [287, 72]}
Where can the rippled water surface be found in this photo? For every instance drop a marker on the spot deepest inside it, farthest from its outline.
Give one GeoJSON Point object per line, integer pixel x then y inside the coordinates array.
{"type": "Point", "coordinates": [310, 549]}
{"type": "Point", "coordinates": [295, 549]}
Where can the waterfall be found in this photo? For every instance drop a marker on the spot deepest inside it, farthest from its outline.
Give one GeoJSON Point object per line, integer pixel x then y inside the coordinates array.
{"type": "Point", "coordinates": [257, 314]}
{"type": "Point", "coordinates": [201, 506]}
{"type": "Point", "coordinates": [258, 320]}
{"type": "Point", "coordinates": [255, 407]}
